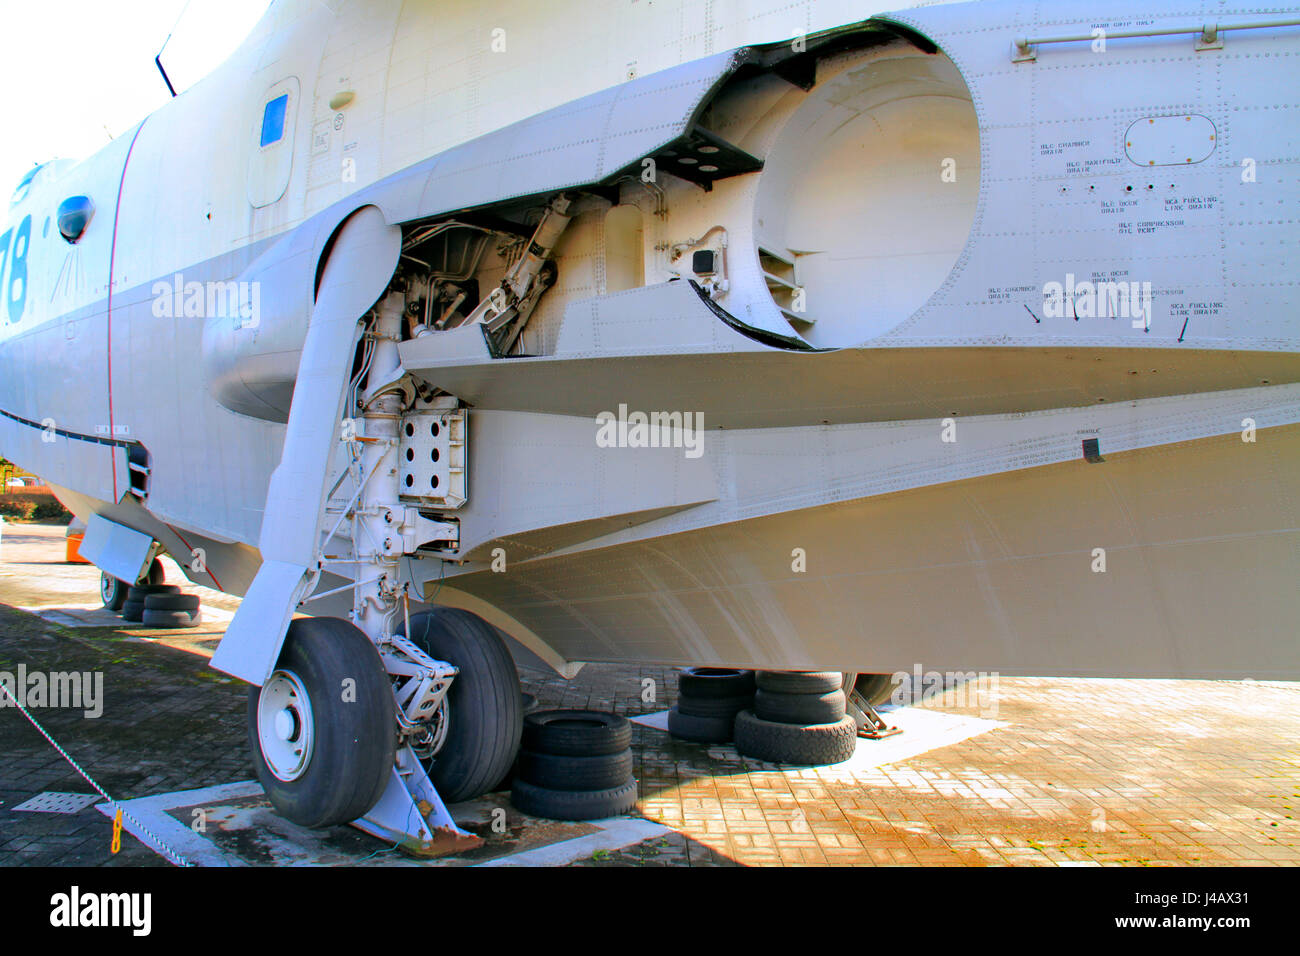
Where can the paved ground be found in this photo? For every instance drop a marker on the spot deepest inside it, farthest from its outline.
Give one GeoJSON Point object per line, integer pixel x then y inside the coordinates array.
{"type": "Point", "coordinates": [1081, 772]}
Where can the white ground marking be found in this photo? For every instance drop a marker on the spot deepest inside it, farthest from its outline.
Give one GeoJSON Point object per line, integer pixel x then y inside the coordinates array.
{"type": "Point", "coordinates": [195, 847]}
{"type": "Point", "coordinates": [659, 721]}
{"type": "Point", "coordinates": [96, 615]}
{"type": "Point", "coordinates": [292, 845]}
{"type": "Point", "coordinates": [76, 615]}
{"type": "Point", "coordinates": [923, 730]}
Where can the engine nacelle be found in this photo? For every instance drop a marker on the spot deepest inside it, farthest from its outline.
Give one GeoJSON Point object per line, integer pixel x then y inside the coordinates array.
{"type": "Point", "coordinates": [868, 192]}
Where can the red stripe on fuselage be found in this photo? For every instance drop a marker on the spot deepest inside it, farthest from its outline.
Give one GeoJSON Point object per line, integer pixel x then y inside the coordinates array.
{"type": "Point", "coordinates": [112, 257]}
{"type": "Point", "coordinates": [206, 570]}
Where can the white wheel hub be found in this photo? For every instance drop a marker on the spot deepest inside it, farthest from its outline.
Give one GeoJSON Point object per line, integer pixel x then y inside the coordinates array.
{"type": "Point", "coordinates": [285, 729]}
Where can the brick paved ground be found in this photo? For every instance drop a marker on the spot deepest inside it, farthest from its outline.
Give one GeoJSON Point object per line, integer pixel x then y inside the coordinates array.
{"type": "Point", "coordinates": [1089, 772]}
{"type": "Point", "coordinates": [169, 723]}
{"type": "Point", "coordinates": [1086, 772]}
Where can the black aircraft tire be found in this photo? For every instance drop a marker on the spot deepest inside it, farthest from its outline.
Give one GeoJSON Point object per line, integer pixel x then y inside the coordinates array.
{"type": "Point", "coordinates": [573, 804]}
{"type": "Point", "coordinates": [875, 689]}
{"type": "Point", "coordinates": [156, 573]}
{"type": "Point", "coordinates": [700, 682]}
{"type": "Point", "coordinates": [354, 735]}
{"type": "Point", "coordinates": [112, 591]}
{"type": "Point", "coordinates": [574, 773]}
{"type": "Point", "coordinates": [157, 617]}
{"type": "Point", "coordinates": [800, 708]}
{"type": "Point", "coordinates": [812, 745]}
{"type": "Point", "coordinates": [727, 707]}
{"type": "Point", "coordinates": [701, 730]}
{"type": "Point", "coordinates": [800, 682]}
{"type": "Point", "coordinates": [485, 703]}
{"type": "Point", "coordinates": [576, 733]}
{"type": "Point", "coordinates": [530, 704]}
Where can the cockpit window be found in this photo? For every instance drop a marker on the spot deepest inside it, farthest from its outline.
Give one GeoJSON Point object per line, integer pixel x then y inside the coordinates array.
{"type": "Point", "coordinates": [273, 120]}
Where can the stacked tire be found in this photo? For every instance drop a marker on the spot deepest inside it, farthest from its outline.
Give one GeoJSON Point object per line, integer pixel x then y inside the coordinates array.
{"type": "Point", "coordinates": [574, 765]}
{"type": "Point", "coordinates": [798, 718]}
{"type": "Point", "coordinates": [171, 610]}
{"type": "Point", "coordinates": [708, 700]}
{"type": "Point", "coordinates": [136, 594]}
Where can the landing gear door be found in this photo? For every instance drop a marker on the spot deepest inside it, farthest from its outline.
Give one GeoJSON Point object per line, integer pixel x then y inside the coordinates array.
{"type": "Point", "coordinates": [121, 551]}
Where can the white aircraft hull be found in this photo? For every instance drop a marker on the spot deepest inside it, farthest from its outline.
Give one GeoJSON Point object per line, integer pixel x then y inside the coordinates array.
{"type": "Point", "coordinates": [999, 574]}
{"type": "Point", "coordinates": [976, 553]}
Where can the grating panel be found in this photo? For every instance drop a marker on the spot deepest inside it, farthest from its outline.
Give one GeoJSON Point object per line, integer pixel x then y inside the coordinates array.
{"type": "Point", "coordinates": [51, 801]}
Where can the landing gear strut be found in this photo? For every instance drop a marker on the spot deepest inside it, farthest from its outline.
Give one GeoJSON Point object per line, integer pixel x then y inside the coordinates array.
{"type": "Point", "coordinates": [356, 721]}
{"type": "Point", "coordinates": [450, 719]}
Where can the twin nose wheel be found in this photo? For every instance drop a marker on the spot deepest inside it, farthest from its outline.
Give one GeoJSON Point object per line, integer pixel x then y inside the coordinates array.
{"type": "Point", "coordinates": [112, 591]}
{"type": "Point", "coordinates": [323, 727]}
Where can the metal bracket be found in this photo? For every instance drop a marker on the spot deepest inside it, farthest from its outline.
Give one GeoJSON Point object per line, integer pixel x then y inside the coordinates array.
{"type": "Point", "coordinates": [433, 458]}
{"type": "Point", "coordinates": [871, 726]}
{"type": "Point", "coordinates": [1210, 38]}
{"type": "Point", "coordinates": [424, 681]}
{"type": "Point", "coordinates": [876, 728]}
{"type": "Point", "coordinates": [417, 530]}
{"type": "Point", "coordinates": [412, 816]}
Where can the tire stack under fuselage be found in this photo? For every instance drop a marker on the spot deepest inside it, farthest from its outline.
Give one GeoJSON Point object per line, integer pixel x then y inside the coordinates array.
{"type": "Point", "coordinates": [708, 700]}
{"type": "Point", "coordinates": [574, 765]}
{"type": "Point", "coordinates": [150, 603]}
{"type": "Point", "coordinates": [798, 718]}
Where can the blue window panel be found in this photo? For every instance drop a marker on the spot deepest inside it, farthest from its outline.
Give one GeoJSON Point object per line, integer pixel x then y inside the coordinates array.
{"type": "Point", "coordinates": [273, 120]}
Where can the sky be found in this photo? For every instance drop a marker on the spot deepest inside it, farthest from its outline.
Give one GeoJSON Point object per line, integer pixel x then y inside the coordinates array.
{"type": "Point", "coordinates": [79, 72]}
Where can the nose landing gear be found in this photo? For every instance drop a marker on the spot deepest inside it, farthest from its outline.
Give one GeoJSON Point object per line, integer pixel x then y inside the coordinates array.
{"type": "Point", "coordinates": [112, 591]}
